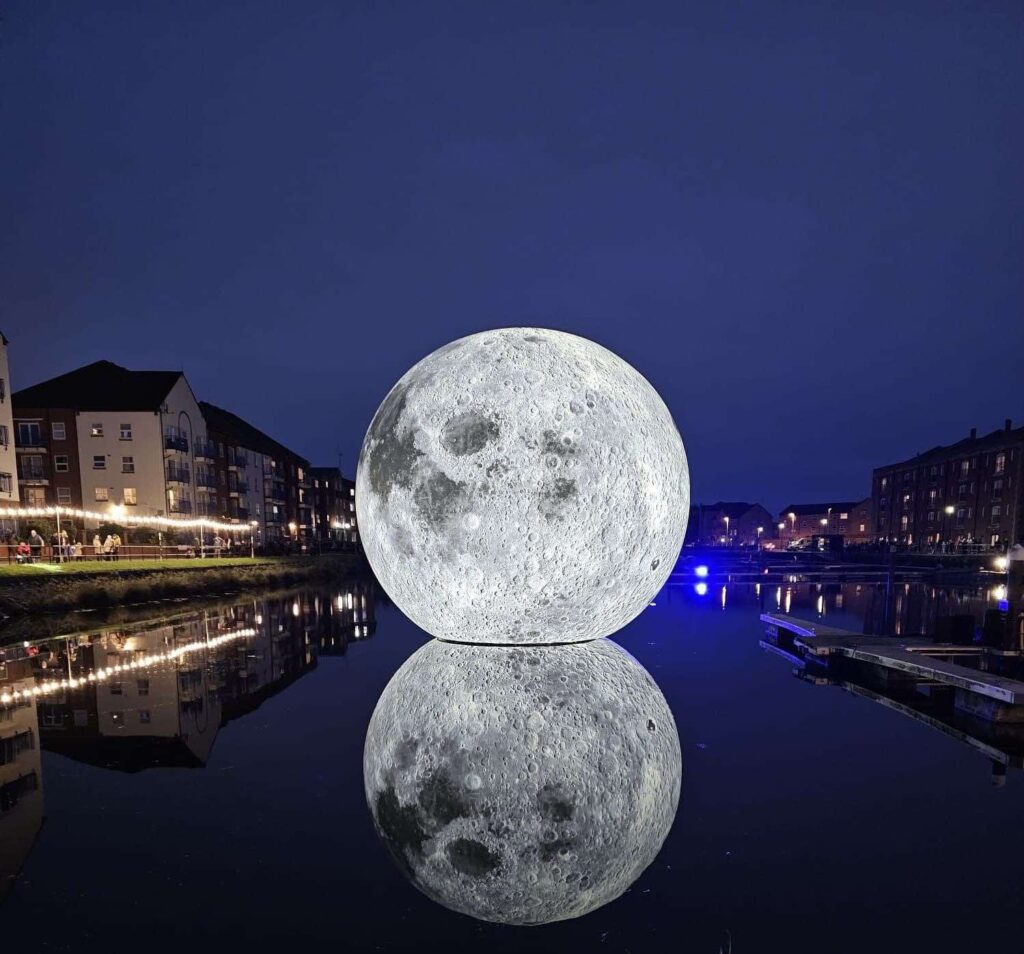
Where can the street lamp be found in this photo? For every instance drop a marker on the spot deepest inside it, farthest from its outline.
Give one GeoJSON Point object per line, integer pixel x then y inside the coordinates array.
{"type": "Point", "coordinates": [949, 510]}
{"type": "Point", "coordinates": [760, 530]}
{"type": "Point", "coordinates": [728, 541]}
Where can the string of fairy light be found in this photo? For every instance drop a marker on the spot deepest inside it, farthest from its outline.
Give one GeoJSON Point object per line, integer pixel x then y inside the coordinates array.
{"type": "Point", "coordinates": [141, 520]}
{"type": "Point", "coordinates": [102, 674]}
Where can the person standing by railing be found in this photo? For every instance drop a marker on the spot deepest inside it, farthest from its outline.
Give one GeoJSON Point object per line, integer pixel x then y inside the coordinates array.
{"type": "Point", "coordinates": [97, 547]}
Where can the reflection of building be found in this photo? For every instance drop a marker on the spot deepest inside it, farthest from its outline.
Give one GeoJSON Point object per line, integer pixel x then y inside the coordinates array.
{"type": "Point", "coordinates": [849, 519]}
{"type": "Point", "coordinates": [259, 479]}
{"type": "Point", "coordinates": [21, 793]}
{"type": "Point", "coordinates": [963, 493]}
{"type": "Point", "coordinates": [8, 462]}
{"type": "Point", "coordinates": [733, 524]}
{"type": "Point", "coordinates": [103, 435]}
{"type": "Point", "coordinates": [347, 617]}
{"type": "Point", "coordinates": [334, 508]}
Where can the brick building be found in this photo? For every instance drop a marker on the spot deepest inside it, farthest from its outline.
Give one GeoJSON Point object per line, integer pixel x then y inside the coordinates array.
{"type": "Point", "coordinates": [334, 509]}
{"type": "Point", "coordinates": [849, 519]}
{"type": "Point", "coordinates": [967, 493]}
{"type": "Point", "coordinates": [734, 524]}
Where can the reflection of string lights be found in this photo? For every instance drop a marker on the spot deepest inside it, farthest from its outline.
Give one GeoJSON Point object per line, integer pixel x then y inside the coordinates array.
{"type": "Point", "coordinates": [140, 519]}
{"type": "Point", "coordinates": [140, 662]}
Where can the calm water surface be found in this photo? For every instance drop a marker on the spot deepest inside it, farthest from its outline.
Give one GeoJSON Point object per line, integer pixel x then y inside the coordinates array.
{"type": "Point", "coordinates": [214, 797]}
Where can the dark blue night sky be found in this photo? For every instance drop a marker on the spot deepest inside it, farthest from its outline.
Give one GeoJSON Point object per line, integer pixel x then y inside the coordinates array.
{"type": "Point", "coordinates": [803, 222]}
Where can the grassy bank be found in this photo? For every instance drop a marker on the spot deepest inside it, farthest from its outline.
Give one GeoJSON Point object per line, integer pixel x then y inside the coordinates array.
{"type": "Point", "coordinates": [98, 567]}
{"type": "Point", "coordinates": [33, 589]}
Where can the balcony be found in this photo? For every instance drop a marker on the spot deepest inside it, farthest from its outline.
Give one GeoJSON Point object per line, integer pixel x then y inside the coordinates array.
{"type": "Point", "coordinates": [176, 473]}
{"type": "Point", "coordinates": [237, 458]}
{"type": "Point", "coordinates": [175, 442]}
{"type": "Point", "coordinates": [204, 509]}
{"type": "Point", "coordinates": [204, 450]}
{"type": "Point", "coordinates": [278, 495]}
{"type": "Point", "coordinates": [180, 506]}
{"type": "Point", "coordinates": [206, 480]}
{"type": "Point", "coordinates": [238, 487]}
{"type": "Point", "coordinates": [30, 475]}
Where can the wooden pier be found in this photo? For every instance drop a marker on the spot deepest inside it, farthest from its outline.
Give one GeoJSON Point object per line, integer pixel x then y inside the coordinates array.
{"type": "Point", "coordinates": [987, 695]}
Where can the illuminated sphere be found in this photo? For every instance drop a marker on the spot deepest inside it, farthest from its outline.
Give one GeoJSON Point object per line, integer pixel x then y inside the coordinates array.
{"type": "Point", "coordinates": [522, 784]}
{"type": "Point", "coordinates": [522, 486]}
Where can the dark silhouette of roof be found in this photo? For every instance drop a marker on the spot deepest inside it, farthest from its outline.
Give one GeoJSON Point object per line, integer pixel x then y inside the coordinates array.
{"type": "Point", "coordinates": [100, 386]}
{"type": "Point", "coordinates": [732, 509]}
{"type": "Point", "coordinates": [969, 445]}
{"type": "Point", "coordinates": [235, 429]}
{"type": "Point", "coordinates": [803, 510]}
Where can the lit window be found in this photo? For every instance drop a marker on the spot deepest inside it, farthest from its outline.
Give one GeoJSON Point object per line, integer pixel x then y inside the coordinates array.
{"type": "Point", "coordinates": [130, 497]}
{"type": "Point", "coordinates": [125, 432]}
{"type": "Point", "coordinates": [59, 434]}
{"type": "Point", "coordinates": [127, 465]}
{"type": "Point", "coordinates": [60, 463]}
{"type": "Point", "coordinates": [102, 495]}
{"type": "Point", "coordinates": [35, 496]}
{"type": "Point", "coordinates": [99, 462]}
{"type": "Point", "coordinates": [844, 516]}
{"type": "Point", "coordinates": [997, 510]}
{"type": "Point", "coordinates": [96, 430]}
{"type": "Point", "coordinates": [1000, 463]}
{"type": "Point", "coordinates": [143, 686]}
{"type": "Point", "coordinates": [64, 496]}
{"type": "Point", "coordinates": [965, 468]}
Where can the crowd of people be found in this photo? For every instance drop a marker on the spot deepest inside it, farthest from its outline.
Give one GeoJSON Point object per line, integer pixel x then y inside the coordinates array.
{"type": "Point", "coordinates": [63, 547]}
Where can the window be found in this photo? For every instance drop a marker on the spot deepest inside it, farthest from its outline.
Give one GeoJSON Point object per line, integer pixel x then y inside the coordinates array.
{"type": "Point", "coordinates": [1000, 463]}
{"type": "Point", "coordinates": [143, 686]}
{"type": "Point", "coordinates": [844, 516]}
{"type": "Point", "coordinates": [96, 430]}
{"type": "Point", "coordinates": [5, 436]}
{"type": "Point", "coordinates": [64, 496]}
{"type": "Point", "coordinates": [6, 484]}
{"type": "Point", "coordinates": [35, 497]}
{"type": "Point", "coordinates": [965, 468]}
{"type": "Point", "coordinates": [32, 467]}
{"type": "Point", "coordinates": [931, 516]}
{"type": "Point", "coordinates": [144, 716]}
{"type": "Point", "coordinates": [130, 497]}
{"type": "Point", "coordinates": [60, 463]}
{"type": "Point", "coordinates": [29, 434]}
{"type": "Point", "coordinates": [99, 462]}
{"type": "Point", "coordinates": [102, 495]}
{"type": "Point", "coordinates": [125, 432]}
{"type": "Point", "coordinates": [116, 689]}
{"type": "Point", "coordinates": [932, 496]}
{"type": "Point", "coordinates": [862, 528]}
{"type": "Point", "coordinates": [59, 434]}
{"type": "Point", "coordinates": [127, 465]}
{"type": "Point", "coordinates": [903, 523]}
{"type": "Point", "coordinates": [997, 510]}
{"type": "Point", "coordinates": [3, 390]}
{"type": "Point", "coordinates": [885, 483]}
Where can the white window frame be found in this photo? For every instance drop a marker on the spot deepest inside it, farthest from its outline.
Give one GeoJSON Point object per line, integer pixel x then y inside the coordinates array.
{"type": "Point", "coordinates": [58, 431]}
{"type": "Point", "coordinates": [61, 468]}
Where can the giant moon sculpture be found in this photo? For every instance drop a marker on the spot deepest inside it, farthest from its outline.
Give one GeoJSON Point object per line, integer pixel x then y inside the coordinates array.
{"type": "Point", "coordinates": [522, 486]}
{"type": "Point", "coordinates": [522, 784]}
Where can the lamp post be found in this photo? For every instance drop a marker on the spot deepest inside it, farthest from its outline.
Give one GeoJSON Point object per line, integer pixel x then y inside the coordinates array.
{"type": "Point", "coordinates": [792, 524]}
{"type": "Point", "coordinates": [760, 530]}
{"type": "Point", "coordinates": [252, 539]}
{"type": "Point", "coordinates": [728, 542]}
{"type": "Point", "coordinates": [949, 511]}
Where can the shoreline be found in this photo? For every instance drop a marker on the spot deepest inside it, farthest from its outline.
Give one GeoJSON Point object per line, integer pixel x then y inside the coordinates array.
{"type": "Point", "coordinates": [24, 595]}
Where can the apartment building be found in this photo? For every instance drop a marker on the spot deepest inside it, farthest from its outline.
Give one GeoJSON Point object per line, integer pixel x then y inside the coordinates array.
{"type": "Point", "coordinates": [334, 508]}
{"type": "Point", "coordinates": [833, 518]}
{"type": "Point", "coordinates": [732, 524]}
{"type": "Point", "coordinates": [104, 437]}
{"type": "Point", "coordinates": [8, 458]}
{"type": "Point", "coordinates": [258, 478]}
{"type": "Point", "coordinates": [970, 492]}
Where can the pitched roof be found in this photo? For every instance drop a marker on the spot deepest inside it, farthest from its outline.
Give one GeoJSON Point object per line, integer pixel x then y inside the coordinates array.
{"type": "Point", "coordinates": [803, 510]}
{"type": "Point", "coordinates": [244, 433]}
{"type": "Point", "coordinates": [969, 445]}
{"type": "Point", "coordinates": [100, 386]}
{"type": "Point", "coordinates": [733, 510]}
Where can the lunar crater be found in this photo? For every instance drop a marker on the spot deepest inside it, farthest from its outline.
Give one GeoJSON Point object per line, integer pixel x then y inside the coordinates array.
{"type": "Point", "coordinates": [513, 447]}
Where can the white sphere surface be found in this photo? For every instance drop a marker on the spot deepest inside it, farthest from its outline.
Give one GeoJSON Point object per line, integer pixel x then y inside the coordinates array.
{"type": "Point", "coordinates": [522, 784]}
{"type": "Point", "coordinates": [522, 486]}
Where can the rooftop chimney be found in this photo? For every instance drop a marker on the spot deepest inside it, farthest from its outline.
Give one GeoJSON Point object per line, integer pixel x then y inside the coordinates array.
{"type": "Point", "coordinates": [974, 433]}
{"type": "Point", "coordinates": [1009, 424]}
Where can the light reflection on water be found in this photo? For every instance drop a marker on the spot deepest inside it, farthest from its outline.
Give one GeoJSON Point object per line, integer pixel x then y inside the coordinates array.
{"type": "Point", "coordinates": [222, 786]}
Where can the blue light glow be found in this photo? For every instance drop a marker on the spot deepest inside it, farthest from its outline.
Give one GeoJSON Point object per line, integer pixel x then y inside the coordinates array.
{"type": "Point", "coordinates": [701, 589]}
{"type": "Point", "coordinates": [700, 572]}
